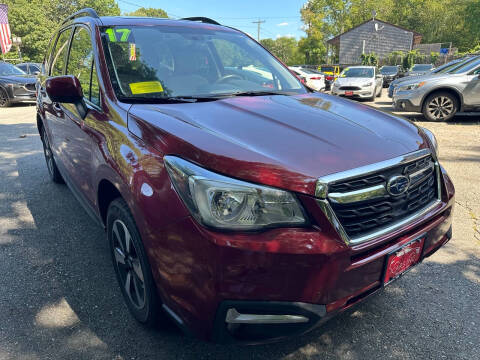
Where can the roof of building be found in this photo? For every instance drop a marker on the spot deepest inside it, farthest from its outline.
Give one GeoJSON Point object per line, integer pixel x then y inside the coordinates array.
{"type": "Point", "coordinates": [335, 40]}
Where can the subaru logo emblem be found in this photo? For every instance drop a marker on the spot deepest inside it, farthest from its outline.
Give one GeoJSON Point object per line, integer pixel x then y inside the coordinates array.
{"type": "Point", "coordinates": [397, 185]}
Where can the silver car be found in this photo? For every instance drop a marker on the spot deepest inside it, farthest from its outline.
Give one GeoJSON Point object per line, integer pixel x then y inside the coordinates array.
{"type": "Point", "coordinates": [440, 96]}
{"type": "Point", "coordinates": [363, 82]}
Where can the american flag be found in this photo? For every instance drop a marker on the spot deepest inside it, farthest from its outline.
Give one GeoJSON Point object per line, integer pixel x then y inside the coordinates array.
{"type": "Point", "coordinates": [5, 36]}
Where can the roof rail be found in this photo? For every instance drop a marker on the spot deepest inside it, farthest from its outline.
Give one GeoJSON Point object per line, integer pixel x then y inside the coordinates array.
{"type": "Point", "coordinates": [84, 12]}
{"type": "Point", "coordinates": [202, 19]}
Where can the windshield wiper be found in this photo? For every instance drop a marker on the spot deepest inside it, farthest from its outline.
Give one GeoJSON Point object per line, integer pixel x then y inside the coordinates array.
{"type": "Point", "coordinates": [256, 93]}
{"type": "Point", "coordinates": [168, 100]}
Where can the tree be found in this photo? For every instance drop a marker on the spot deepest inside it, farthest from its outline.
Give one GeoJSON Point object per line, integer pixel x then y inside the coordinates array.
{"type": "Point", "coordinates": [36, 20]}
{"type": "Point", "coordinates": [286, 49]}
{"type": "Point", "coordinates": [149, 12]}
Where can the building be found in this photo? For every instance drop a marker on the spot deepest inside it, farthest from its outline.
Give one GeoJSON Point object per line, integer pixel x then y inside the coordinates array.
{"type": "Point", "coordinates": [375, 36]}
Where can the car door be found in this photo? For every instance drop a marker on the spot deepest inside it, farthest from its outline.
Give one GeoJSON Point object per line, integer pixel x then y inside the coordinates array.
{"type": "Point", "coordinates": [54, 112]}
{"type": "Point", "coordinates": [471, 93]}
{"type": "Point", "coordinates": [80, 135]}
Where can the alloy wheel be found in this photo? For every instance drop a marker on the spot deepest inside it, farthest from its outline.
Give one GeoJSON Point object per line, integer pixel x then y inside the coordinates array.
{"type": "Point", "coordinates": [3, 98]}
{"type": "Point", "coordinates": [48, 154]}
{"type": "Point", "coordinates": [128, 264]}
{"type": "Point", "coordinates": [440, 107]}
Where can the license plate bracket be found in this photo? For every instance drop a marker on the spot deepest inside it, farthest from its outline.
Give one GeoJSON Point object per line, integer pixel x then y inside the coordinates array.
{"type": "Point", "coordinates": [403, 259]}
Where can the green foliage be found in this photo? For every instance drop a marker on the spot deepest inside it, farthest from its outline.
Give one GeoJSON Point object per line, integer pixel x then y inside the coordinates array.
{"type": "Point", "coordinates": [434, 57]}
{"type": "Point", "coordinates": [437, 20]}
{"type": "Point", "coordinates": [286, 49]}
{"type": "Point", "coordinates": [369, 59]}
{"type": "Point", "coordinates": [149, 12]}
{"type": "Point", "coordinates": [36, 20]}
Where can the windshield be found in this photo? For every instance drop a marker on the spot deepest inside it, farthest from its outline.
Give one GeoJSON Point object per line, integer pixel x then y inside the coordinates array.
{"type": "Point", "coordinates": [172, 62]}
{"type": "Point", "coordinates": [466, 66]}
{"type": "Point", "coordinates": [9, 69]}
{"type": "Point", "coordinates": [422, 67]}
{"type": "Point", "coordinates": [389, 70]}
{"type": "Point", "coordinates": [327, 69]}
{"type": "Point", "coordinates": [447, 67]}
{"type": "Point", "coordinates": [357, 73]}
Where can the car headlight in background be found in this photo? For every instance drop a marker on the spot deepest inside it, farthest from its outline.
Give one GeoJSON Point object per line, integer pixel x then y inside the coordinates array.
{"type": "Point", "coordinates": [433, 141]}
{"type": "Point", "coordinates": [368, 84]}
{"type": "Point", "coordinates": [225, 203]}
{"type": "Point", "coordinates": [411, 86]}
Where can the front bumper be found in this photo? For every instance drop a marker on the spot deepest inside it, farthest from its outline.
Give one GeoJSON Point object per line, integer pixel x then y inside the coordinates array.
{"type": "Point", "coordinates": [359, 94]}
{"type": "Point", "coordinates": [20, 93]}
{"type": "Point", "coordinates": [307, 272]}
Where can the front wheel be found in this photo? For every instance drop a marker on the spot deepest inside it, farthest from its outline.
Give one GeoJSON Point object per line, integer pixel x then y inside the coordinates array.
{"type": "Point", "coordinates": [4, 100]}
{"type": "Point", "coordinates": [440, 106]}
{"type": "Point", "coordinates": [55, 175]}
{"type": "Point", "coordinates": [131, 264]}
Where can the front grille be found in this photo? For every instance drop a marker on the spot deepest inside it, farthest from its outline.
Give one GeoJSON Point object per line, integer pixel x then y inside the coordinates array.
{"type": "Point", "coordinates": [350, 88]}
{"type": "Point", "coordinates": [362, 217]}
{"type": "Point", "coordinates": [30, 87]}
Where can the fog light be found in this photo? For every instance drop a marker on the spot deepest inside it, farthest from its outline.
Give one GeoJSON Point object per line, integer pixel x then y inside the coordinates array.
{"type": "Point", "coordinates": [402, 105]}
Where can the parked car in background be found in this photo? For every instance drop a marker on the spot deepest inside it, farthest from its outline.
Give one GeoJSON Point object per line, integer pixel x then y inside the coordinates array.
{"type": "Point", "coordinates": [244, 213]}
{"type": "Point", "coordinates": [15, 85]}
{"type": "Point", "coordinates": [30, 68]}
{"type": "Point", "coordinates": [313, 78]}
{"type": "Point", "coordinates": [440, 96]}
{"type": "Point", "coordinates": [391, 73]}
{"type": "Point", "coordinates": [446, 68]}
{"type": "Point", "coordinates": [299, 76]}
{"type": "Point", "coordinates": [420, 69]}
{"type": "Point", "coordinates": [363, 82]}
{"type": "Point", "coordinates": [331, 73]}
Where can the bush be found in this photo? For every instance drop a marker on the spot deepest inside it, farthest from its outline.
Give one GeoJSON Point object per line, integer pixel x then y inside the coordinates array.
{"type": "Point", "coordinates": [370, 59]}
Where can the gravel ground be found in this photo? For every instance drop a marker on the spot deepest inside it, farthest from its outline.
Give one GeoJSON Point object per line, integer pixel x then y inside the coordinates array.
{"type": "Point", "coordinates": [59, 298]}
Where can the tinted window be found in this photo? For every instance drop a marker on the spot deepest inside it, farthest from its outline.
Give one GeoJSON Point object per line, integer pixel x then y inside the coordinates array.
{"type": "Point", "coordinates": [389, 70]}
{"type": "Point", "coordinates": [22, 67]}
{"type": "Point", "coordinates": [58, 61]}
{"type": "Point", "coordinates": [466, 67]}
{"type": "Point", "coordinates": [422, 67]}
{"type": "Point", "coordinates": [171, 61]}
{"type": "Point", "coordinates": [81, 64]}
{"type": "Point", "coordinates": [328, 69]}
{"type": "Point", "coordinates": [9, 69]}
{"type": "Point", "coordinates": [95, 88]}
{"type": "Point", "coordinates": [34, 68]}
{"type": "Point", "coordinates": [358, 72]}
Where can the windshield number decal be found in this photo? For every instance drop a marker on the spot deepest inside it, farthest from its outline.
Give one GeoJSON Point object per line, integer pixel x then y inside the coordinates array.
{"type": "Point", "coordinates": [123, 33]}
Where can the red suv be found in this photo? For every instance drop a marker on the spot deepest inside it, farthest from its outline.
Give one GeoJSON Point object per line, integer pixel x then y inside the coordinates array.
{"type": "Point", "coordinates": [235, 200]}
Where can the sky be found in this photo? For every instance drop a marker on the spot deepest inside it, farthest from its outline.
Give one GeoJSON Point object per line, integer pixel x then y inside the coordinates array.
{"type": "Point", "coordinates": [282, 17]}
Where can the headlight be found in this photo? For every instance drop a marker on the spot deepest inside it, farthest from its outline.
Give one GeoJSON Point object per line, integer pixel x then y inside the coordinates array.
{"type": "Point", "coordinates": [225, 203]}
{"type": "Point", "coordinates": [368, 84]}
{"type": "Point", "coordinates": [433, 141]}
{"type": "Point", "coordinates": [411, 86]}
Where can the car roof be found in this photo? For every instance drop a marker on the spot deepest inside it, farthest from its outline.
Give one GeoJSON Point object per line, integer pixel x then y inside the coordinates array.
{"type": "Point", "coordinates": [361, 67]}
{"type": "Point", "coordinates": [147, 21]}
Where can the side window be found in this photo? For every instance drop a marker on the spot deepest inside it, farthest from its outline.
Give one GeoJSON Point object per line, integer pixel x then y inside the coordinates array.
{"type": "Point", "coordinates": [34, 68]}
{"type": "Point", "coordinates": [58, 60]}
{"type": "Point", "coordinates": [95, 88]}
{"type": "Point", "coordinates": [22, 67]}
{"type": "Point", "coordinates": [81, 64]}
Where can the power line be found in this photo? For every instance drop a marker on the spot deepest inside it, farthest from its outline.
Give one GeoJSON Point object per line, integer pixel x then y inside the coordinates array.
{"type": "Point", "coordinates": [258, 22]}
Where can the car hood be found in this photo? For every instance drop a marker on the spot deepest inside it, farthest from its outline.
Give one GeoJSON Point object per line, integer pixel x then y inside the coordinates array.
{"type": "Point", "coordinates": [282, 141]}
{"type": "Point", "coordinates": [352, 81]}
{"type": "Point", "coordinates": [18, 79]}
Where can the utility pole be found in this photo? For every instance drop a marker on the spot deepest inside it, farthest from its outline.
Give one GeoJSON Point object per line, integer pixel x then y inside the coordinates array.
{"type": "Point", "coordinates": [259, 22]}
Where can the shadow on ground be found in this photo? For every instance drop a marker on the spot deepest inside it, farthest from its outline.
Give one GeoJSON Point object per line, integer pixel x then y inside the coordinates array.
{"type": "Point", "coordinates": [59, 298]}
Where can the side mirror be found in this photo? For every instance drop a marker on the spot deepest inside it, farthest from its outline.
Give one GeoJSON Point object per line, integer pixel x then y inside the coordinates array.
{"type": "Point", "coordinates": [66, 89]}
{"type": "Point", "coordinates": [36, 73]}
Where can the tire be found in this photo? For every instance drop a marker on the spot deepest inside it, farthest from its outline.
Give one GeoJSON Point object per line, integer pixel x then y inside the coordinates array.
{"type": "Point", "coordinates": [4, 100]}
{"type": "Point", "coordinates": [131, 265]}
{"type": "Point", "coordinates": [440, 106]}
{"type": "Point", "coordinates": [55, 175]}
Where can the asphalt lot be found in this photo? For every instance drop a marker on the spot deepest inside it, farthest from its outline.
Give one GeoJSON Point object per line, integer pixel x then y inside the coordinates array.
{"type": "Point", "coordinates": [59, 298]}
